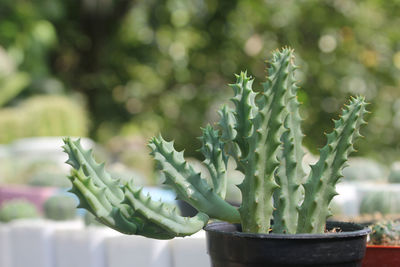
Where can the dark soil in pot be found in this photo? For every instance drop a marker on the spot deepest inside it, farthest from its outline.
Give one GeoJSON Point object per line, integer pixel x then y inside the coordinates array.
{"type": "Point", "coordinates": [229, 247]}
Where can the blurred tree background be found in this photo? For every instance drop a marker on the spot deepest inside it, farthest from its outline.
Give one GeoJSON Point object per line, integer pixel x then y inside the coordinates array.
{"type": "Point", "coordinates": [137, 67]}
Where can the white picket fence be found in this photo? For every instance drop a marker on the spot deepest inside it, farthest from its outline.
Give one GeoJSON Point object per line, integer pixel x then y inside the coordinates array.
{"type": "Point", "coordinates": [41, 243]}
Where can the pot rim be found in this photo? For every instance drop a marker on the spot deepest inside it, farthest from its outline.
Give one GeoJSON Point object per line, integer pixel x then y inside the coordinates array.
{"type": "Point", "coordinates": [361, 231]}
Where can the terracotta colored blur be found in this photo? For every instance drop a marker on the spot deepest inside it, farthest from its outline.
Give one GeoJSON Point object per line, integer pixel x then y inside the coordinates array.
{"type": "Point", "coordinates": [382, 256]}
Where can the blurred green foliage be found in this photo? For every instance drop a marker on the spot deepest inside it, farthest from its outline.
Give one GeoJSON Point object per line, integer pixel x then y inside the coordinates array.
{"type": "Point", "coordinates": [49, 115]}
{"type": "Point", "coordinates": [60, 208]}
{"type": "Point", "coordinates": [17, 209]}
{"type": "Point", "coordinates": [145, 66]}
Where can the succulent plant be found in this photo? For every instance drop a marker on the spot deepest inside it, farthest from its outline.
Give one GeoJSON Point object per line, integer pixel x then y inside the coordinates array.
{"type": "Point", "coordinates": [385, 233]}
{"type": "Point", "coordinates": [365, 169]}
{"type": "Point", "coordinates": [383, 202]}
{"type": "Point", "coordinates": [263, 135]}
{"type": "Point", "coordinates": [394, 175]}
{"type": "Point", "coordinates": [17, 209]}
{"type": "Point", "coordinates": [60, 208]}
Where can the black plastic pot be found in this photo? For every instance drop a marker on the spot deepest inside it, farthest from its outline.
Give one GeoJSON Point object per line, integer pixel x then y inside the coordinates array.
{"type": "Point", "coordinates": [186, 209]}
{"type": "Point", "coordinates": [229, 247]}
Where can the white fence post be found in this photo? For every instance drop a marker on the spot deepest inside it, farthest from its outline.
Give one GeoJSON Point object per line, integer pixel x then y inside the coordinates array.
{"type": "Point", "coordinates": [137, 251]}
{"type": "Point", "coordinates": [190, 251]}
{"type": "Point", "coordinates": [32, 241]}
{"type": "Point", "coordinates": [5, 257]}
{"type": "Point", "coordinates": [81, 247]}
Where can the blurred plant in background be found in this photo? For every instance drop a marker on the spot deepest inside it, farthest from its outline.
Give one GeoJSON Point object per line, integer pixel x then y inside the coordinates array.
{"type": "Point", "coordinates": [145, 65]}
{"type": "Point", "coordinates": [43, 116]}
{"type": "Point", "coordinates": [17, 209]}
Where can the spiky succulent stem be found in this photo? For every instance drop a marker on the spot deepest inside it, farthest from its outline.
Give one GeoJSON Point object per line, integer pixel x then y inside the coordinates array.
{"type": "Point", "coordinates": [188, 184]}
{"type": "Point", "coordinates": [259, 183]}
{"type": "Point", "coordinates": [320, 186]}
{"type": "Point", "coordinates": [216, 160]}
{"type": "Point", "coordinates": [258, 125]}
{"type": "Point", "coordinates": [123, 207]}
{"type": "Point", "coordinates": [290, 173]}
{"type": "Point", "coordinates": [161, 215]}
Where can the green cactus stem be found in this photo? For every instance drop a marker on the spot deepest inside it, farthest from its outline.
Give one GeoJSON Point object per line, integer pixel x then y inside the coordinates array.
{"type": "Point", "coordinates": [259, 125]}
{"type": "Point", "coordinates": [123, 207]}
{"type": "Point", "coordinates": [162, 214]}
{"type": "Point", "coordinates": [188, 184]}
{"type": "Point", "coordinates": [320, 186]}
{"type": "Point", "coordinates": [216, 160]}
{"type": "Point", "coordinates": [290, 173]}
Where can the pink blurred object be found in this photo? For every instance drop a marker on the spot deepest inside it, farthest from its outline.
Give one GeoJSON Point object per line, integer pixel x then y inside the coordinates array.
{"type": "Point", "coordinates": [36, 195]}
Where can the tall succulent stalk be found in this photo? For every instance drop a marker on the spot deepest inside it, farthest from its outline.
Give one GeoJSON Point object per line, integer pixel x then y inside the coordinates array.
{"type": "Point", "coordinates": [262, 134]}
